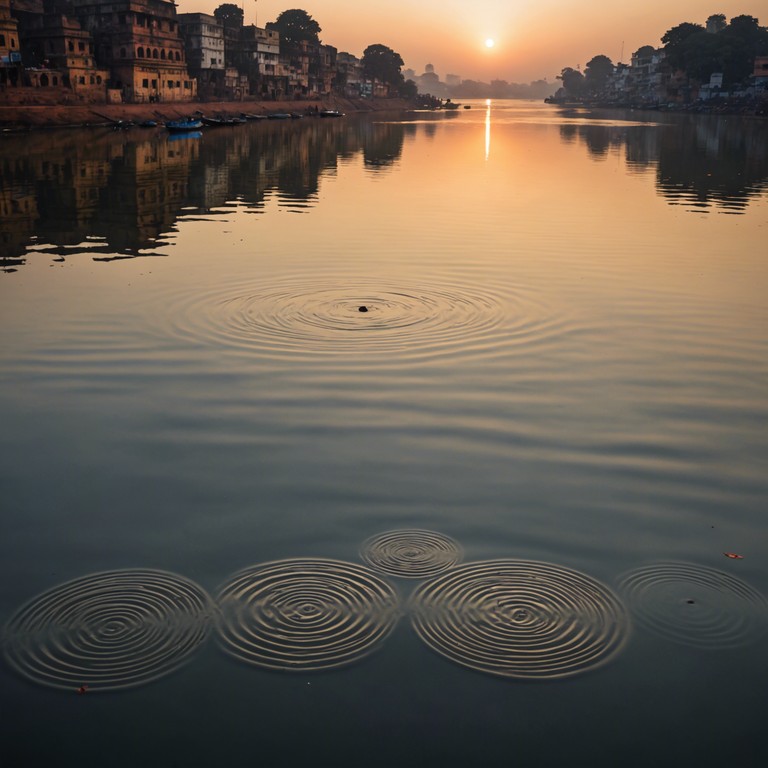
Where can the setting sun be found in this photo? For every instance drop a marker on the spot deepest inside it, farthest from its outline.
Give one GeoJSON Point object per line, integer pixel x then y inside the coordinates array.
{"type": "Point", "coordinates": [489, 43]}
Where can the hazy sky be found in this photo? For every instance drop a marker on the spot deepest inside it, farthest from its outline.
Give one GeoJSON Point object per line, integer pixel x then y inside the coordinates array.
{"type": "Point", "coordinates": [533, 38]}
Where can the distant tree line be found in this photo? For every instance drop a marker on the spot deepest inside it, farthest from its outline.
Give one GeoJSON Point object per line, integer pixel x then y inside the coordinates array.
{"type": "Point", "coordinates": [501, 89]}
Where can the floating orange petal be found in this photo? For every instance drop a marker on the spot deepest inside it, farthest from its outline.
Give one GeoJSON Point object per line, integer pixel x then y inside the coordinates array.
{"type": "Point", "coordinates": [733, 556]}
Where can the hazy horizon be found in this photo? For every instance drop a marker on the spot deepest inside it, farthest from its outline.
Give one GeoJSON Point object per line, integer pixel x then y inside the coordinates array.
{"type": "Point", "coordinates": [532, 40]}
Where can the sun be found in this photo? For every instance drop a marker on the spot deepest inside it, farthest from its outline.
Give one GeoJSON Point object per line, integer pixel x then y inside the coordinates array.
{"type": "Point", "coordinates": [489, 43]}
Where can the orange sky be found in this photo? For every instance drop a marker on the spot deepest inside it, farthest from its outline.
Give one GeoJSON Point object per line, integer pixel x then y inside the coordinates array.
{"type": "Point", "coordinates": [533, 38]}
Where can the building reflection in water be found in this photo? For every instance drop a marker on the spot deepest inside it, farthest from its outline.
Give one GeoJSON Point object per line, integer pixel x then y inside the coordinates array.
{"type": "Point", "coordinates": [115, 195]}
{"type": "Point", "coordinates": [705, 163]}
{"type": "Point", "coordinates": [119, 194]}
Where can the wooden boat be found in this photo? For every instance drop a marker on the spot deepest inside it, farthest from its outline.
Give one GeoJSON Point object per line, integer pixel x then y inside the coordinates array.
{"type": "Point", "coordinates": [330, 113]}
{"type": "Point", "coordinates": [217, 122]}
{"type": "Point", "coordinates": [279, 116]}
{"type": "Point", "coordinates": [179, 126]}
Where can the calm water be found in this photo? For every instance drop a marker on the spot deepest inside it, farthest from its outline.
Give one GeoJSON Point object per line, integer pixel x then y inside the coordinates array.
{"type": "Point", "coordinates": [564, 360]}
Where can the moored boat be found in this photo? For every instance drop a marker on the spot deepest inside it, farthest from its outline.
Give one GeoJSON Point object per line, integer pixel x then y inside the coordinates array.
{"type": "Point", "coordinates": [179, 126]}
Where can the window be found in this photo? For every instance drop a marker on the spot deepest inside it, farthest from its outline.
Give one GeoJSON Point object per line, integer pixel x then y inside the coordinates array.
{"type": "Point", "coordinates": [98, 79]}
{"type": "Point", "coordinates": [140, 52]}
{"type": "Point", "coordinates": [154, 84]}
{"type": "Point", "coordinates": [81, 46]}
{"type": "Point", "coordinates": [186, 84]}
{"type": "Point", "coordinates": [178, 56]}
{"type": "Point", "coordinates": [170, 83]}
{"type": "Point", "coordinates": [145, 83]}
{"type": "Point", "coordinates": [44, 81]}
{"type": "Point", "coordinates": [154, 53]}
{"type": "Point", "coordinates": [93, 80]}
{"type": "Point", "coordinates": [162, 54]}
{"type": "Point", "coordinates": [178, 83]}
{"type": "Point", "coordinates": [2, 40]}
{"type": "Point", "coordinates": [71, 46]}
{"type": "Point", "coordinates": [80, 80]}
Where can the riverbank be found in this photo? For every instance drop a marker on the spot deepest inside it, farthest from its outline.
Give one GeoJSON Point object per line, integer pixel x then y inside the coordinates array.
{"type": "Point", "coordinates": [27, 116]}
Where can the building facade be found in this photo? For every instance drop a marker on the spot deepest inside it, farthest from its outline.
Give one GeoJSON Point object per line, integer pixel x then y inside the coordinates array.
{"type": "Point", "coordinates": [10, 48]}
{"type": "Point", "coordinates": [204, 45]}
{"type": "Point", "coordinates": [140, 43]}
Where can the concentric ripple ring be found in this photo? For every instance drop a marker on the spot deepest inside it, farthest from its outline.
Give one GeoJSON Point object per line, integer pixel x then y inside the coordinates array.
{"type": "Point", "coordinates": [109, 630]}
{"type": "Point", "coordinates": [305, 614]}
{"type": "Point", "coordinates": [697, 606]}
{"type": "Point", "coordinates": [411, 553]}
{"type": "Point", "coordinates": [520, 619]}
{"type": "Point", "coordinates": [312, 317]}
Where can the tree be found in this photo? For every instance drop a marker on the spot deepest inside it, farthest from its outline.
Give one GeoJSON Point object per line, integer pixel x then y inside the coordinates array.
{"type": "Point", "coordinates": [597, 73]}
{"type": "Point", "coordinates": [409, 90]}
{"type": "Point", "coordinates": [229, 15]}
{"type": "Point", "coordinates": [744, 39]}
{"type": "Point", "coordinates": [573, 81]}
{"type": "Point", "coordinates": [674, 41]}
{"type": "Point", "coordinates": [296, 26]}
{"type": "Point", "coordinates": [383, 63]}
{"type": "Point", "coordinates": [716, 23]}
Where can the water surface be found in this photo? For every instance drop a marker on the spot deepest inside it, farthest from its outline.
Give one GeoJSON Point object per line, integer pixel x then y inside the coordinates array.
{"type": "Point", "coordinates": [564, 360]}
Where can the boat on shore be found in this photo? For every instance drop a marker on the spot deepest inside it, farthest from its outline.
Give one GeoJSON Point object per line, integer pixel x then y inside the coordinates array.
{"type": "Point", "coordinates": [180, 126]}
{"type": "Point", "coordinates": [217, 122]}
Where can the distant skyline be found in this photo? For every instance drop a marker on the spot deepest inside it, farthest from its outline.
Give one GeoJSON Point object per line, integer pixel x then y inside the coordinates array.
{"type": "Point", "coordinates": [534, 39]}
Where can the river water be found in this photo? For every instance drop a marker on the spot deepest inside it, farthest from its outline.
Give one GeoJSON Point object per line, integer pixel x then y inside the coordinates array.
{"type": "Point", "coordinates": [529, 345]}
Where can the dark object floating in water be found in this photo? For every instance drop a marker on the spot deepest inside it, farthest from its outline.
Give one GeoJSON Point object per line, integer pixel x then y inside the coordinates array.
{"type": "Point", "coordinates": [733, 556]}
{"type": "Point", "coordinates": [362, 309]}
{"type": "Point", "coordinates": [720, 611]}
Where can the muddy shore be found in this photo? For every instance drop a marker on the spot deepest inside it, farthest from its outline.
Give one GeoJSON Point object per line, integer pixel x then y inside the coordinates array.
{"type": "Point", "coordinates": [25, 116]}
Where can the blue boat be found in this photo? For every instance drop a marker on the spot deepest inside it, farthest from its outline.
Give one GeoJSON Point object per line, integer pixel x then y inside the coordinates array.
{"type": "Point", "coordinates": [179, 126]}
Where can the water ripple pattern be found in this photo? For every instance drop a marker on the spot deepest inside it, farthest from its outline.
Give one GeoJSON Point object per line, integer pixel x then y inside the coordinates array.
{"type": "Point", "coordinates": [697, 606]}
{"type": "Point", "coordinates": [411, 553]}
{"type": "Point", "coordinates": [520, 619]}
{"type": "Point", "coordinates": [305, 317]}
{"type": "Point", "coordinates": [110, 630]}
{"type": "Point", "coordinates": [305, 614]}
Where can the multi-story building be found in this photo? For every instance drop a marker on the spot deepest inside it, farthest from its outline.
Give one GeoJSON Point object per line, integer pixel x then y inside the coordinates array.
{"type": "Point", "coordinates": [326, 75]}
{"type": "Point", "coordinates": [760, 72]}
{"type": "Point", "coordinates": [350, 74]}
{"type": "Point", "coordinates": [271, 82]}
{"type": "Point", "coordinates": [204, 43]}
{"type": "Point", "coordinates": [10, 49]}
{"type": "Point", "coordinates": [139, 41]}
{"type": "Point", "coordinates": [61, 54]}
